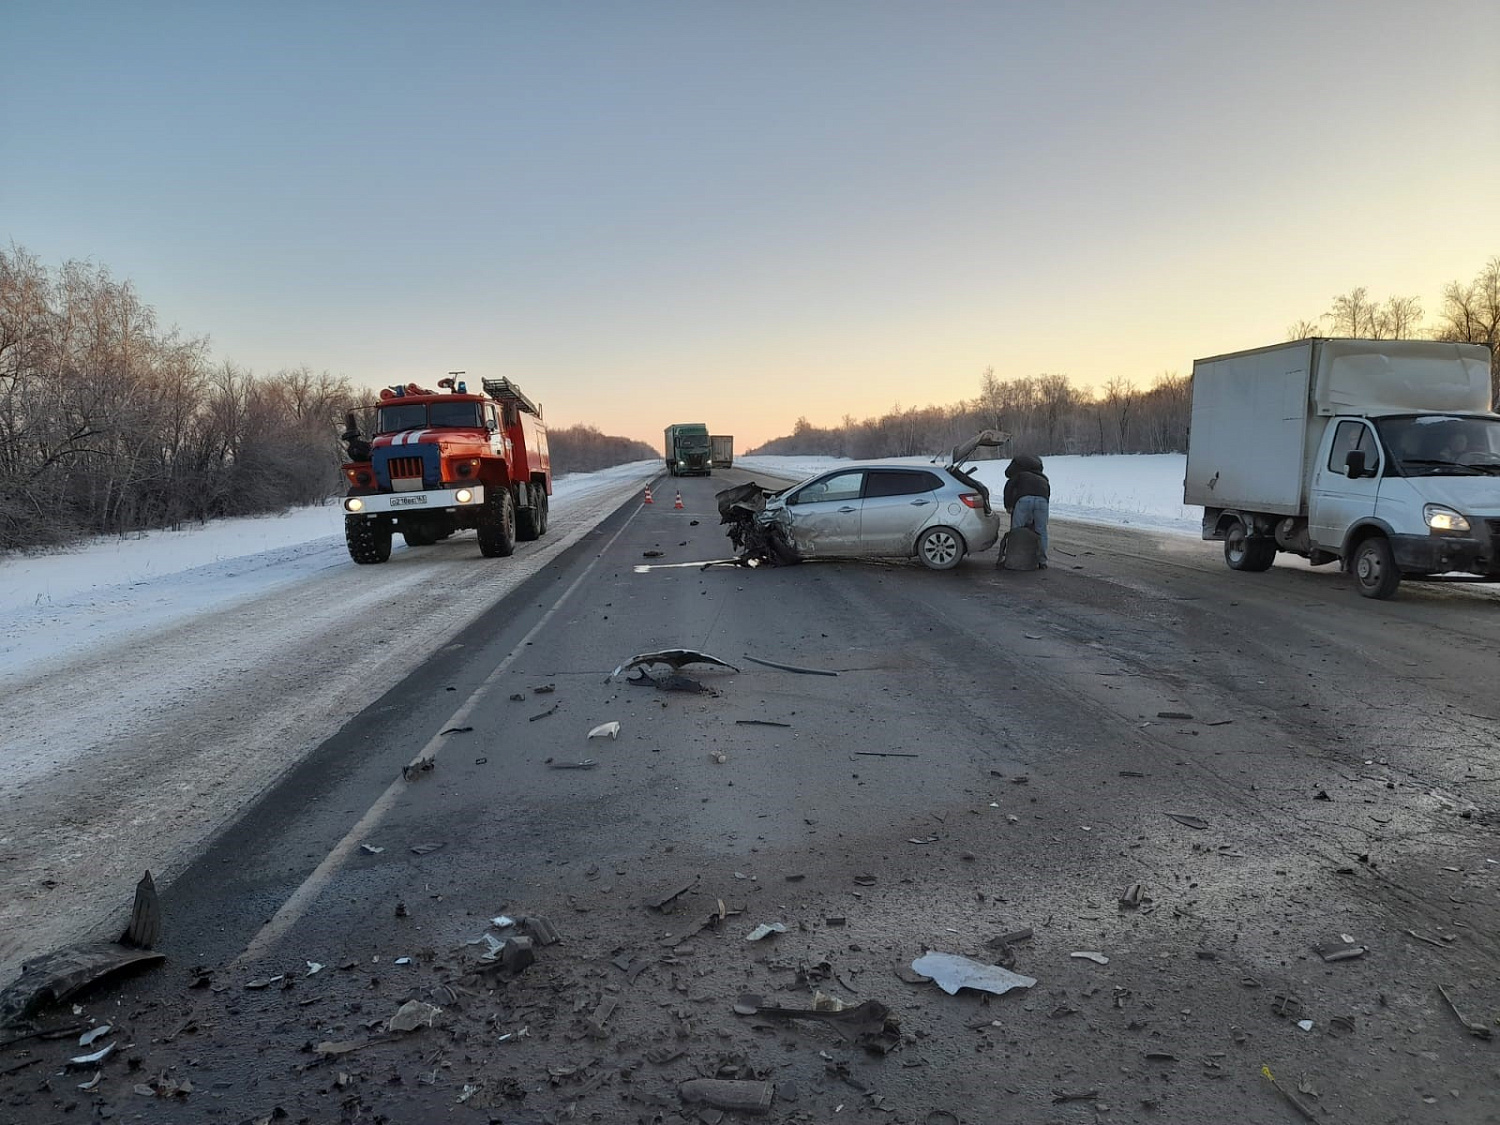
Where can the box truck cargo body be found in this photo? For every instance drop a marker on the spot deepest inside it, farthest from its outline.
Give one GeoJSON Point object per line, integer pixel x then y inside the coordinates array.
{"type": "Point", "coordinates": [1381, 455]}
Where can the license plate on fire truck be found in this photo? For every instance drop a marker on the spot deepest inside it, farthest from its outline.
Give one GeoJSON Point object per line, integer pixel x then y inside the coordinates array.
{"type": "Point", "coordinates": [408, 501]}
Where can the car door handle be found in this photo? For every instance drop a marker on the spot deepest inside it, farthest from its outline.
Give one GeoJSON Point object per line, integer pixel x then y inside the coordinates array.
{"type": "Point", "coordinates": [919, 503]}
{"type": "Point", "coordinates": [848, 509]}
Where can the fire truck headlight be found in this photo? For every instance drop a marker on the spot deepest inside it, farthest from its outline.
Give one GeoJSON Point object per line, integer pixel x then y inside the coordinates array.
{"type": "Point", "coordinates": [463, 496]}
{"type": "Point", "coordinates": [354, 504]}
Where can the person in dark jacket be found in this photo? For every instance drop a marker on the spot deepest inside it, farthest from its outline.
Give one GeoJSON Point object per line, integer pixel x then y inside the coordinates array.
{"type": "Point", "coordinates": [1027, 495]}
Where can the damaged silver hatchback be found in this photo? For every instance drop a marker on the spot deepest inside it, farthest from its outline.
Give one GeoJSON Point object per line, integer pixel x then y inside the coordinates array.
{"type": "Point", "coordinates": [867, 511]}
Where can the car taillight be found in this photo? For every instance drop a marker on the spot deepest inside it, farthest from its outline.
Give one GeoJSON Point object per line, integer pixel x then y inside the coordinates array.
{"type": "Point", "coordinates": [972, 499]}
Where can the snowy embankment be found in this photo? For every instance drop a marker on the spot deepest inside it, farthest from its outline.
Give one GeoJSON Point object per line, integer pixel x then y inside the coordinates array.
{"type": "Point", "coordinates": [1136, 490]}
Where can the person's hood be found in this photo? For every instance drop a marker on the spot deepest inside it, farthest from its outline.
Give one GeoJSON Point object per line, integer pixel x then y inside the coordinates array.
{"type": "Point", "coordinates": [1023, 463]}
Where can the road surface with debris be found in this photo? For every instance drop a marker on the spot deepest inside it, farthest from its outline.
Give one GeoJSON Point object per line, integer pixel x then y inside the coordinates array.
{"type": "Point", "coordinates": [1236, 828]}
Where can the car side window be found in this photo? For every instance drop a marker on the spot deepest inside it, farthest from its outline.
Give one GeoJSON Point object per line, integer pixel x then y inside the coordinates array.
{"type": "Point", "coordinates": [895, 482]}
{"type": "Point", "coordinates": [1347, 438]}
{"type": "Point", "coordinates": [840, 486]}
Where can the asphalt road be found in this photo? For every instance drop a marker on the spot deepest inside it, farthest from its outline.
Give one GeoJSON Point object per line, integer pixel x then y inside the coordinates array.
{"type": "Point", "coordinates": [1278, 763]}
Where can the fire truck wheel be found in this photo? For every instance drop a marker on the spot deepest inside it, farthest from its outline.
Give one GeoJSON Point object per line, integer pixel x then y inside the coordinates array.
{"type": "Point", "coordinates": [532, 522]}
{"type": "Point", "coordinates": [497, 525]}
{"type": "Point", "coordinates": [541, 510]}
{"type": "Point", "coordinates": [368, 543]}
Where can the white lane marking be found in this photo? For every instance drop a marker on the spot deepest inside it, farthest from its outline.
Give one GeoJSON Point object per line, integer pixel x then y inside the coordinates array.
{"type": "Point", "coordinates": [314, 885]}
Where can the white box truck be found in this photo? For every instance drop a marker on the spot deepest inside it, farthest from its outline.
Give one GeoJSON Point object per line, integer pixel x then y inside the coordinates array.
{"type": "Point", "coordinates": [1380, 455]}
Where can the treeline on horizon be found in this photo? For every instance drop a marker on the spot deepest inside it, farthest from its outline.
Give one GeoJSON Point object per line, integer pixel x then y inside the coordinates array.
{"type": "Point", "coordinates": [1049, 414]}
{"type": "Point", "coordinates": [110, 424]}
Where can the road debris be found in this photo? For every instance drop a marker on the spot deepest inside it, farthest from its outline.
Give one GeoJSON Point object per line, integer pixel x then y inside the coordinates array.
{"type": "Point", "coordinates": [672, 682]}
{"type": "Point", "coordinates": [97, 1057]}
{"type": "Point", "coordinates": [869, 1025]}
{"type": "Point", "coordinates": [765, 930]}
{"type": "Point", "coordinates": [882, 754]}
{"type": "Point", "coordinates": [456, 730]}
{"type": "Point", "coordinates": [1296, 1103]}
{"type": "Point", "coordinates": [144, 930]}
{"type": "Point", "coordinates": [370, 849]}
{"type": "Point", "coordinates": [662, 901]}
{"type": "Point", "coordinates": [1478, 1030]}
{"type": "Point", "coordinates": [88, 1037]}
{"type": "Point", "coordinates": [1305, 1025]}
{"type": "Point", "coordinates": [314, 968]}
{"type": "Point", "coordinates": [736, 1094]}
{"type": "Point", "coordinates": [1090, 955]}
{"type": "Point", "coordinates": [1174, 715]}
{"type": "Point", "coordinates": [1190, 821]}
{"type": "Point", "coordinates": [791, 667]}
{"type": "Point", "coordinates": [330, 1048]}
{"type": "Point", "coordinates": [52, 978]}
{"type": "Point", "coordinates": [677, 658]}
{"type": "Point", "coordinates": [539, 929]}
{"type": "Point", "coordinates": [412, 1015]}
{"type": "Point", "coordinates": [426, 849]}
{"type": "Point", "coordinates": [415, 769]}
{"type": "Point", "coordinates": [92, 1082]}
{"type": "Point", "coordinates": [584, 764]}
{"type": "Point", "coordinates": [1344, 950]}
{"type": "Point", "coordinates": [1132, 896]}
{"type": "Point", "coordinates": [610, 729]}
{"type": "Point", "coordinates": [760, 723]}
{"type": "Point", "coordinates": [950, 972]}
{"type": "Point", "coordinates": [549, 711]}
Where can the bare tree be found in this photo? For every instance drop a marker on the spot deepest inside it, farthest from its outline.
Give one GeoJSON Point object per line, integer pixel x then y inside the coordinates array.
{"type": "Point", "coordinates": [1470, 314]}
{"type": "Point", "coordinates": [1304, 330]}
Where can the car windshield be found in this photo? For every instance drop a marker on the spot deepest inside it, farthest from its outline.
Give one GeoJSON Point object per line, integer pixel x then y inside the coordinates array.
{"type": "Point", "coordinates": [419, 415]}
{"type": "Point", "coordinates": [1443, 444]}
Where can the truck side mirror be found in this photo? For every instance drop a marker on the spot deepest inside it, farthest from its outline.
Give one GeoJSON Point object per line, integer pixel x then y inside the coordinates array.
{"type": "Point", "coordinates": [1354, 464]}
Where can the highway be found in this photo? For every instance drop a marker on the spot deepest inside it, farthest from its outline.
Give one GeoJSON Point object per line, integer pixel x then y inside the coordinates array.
{"type": "Point", "coordinates": [1278, 763]}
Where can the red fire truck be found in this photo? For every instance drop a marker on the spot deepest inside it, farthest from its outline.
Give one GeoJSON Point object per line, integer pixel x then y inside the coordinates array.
{"type": "Point", "coordinates": [444, 460]}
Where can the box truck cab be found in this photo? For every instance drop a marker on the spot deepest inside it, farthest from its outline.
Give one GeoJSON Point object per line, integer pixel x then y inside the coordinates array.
{"type": "Point", "coordinates": [1380, 455]}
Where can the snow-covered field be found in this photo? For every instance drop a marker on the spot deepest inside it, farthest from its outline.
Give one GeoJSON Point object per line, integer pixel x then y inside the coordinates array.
{"type": "Point", "coordinates": [1141, 490]}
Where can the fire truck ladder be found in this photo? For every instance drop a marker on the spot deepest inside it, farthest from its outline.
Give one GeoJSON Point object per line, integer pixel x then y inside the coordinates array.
{"type": "Point", "coordinates": [504, 390]}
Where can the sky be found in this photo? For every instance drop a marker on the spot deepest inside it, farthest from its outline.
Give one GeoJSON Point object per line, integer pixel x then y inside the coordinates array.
{"type": "Point", "coordinates": [745, 213]}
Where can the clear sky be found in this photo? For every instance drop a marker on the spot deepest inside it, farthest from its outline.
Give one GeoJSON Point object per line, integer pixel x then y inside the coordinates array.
{"type": "Point", "coordinates": [740, 213]}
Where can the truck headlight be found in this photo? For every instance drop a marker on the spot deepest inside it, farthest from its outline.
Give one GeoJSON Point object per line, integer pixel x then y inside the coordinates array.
{"type": "Point", "coordinates": [354, 504]}
{"type": "Point", "coordinates": [1440, 518]}
{"type": "Point", "coordinates": [463, 496]}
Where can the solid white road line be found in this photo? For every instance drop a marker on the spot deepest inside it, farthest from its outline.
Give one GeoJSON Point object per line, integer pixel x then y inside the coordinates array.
{"type": "Point", "coordinates": [316, 883]}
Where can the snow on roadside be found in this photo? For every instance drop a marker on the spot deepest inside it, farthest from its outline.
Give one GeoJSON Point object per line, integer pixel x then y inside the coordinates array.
{"type": "Point", "coordinates": [54, 604]}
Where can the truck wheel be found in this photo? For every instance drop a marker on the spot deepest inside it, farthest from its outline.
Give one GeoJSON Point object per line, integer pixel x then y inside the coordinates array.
{"type": "Point", "coordinates": [940, 548]}
{"type": "Point", "coordinates": [368, 542]}
{"type": "Point", "coordinates": [497, 524]}
{"type": "Point", "coordinates": [1244, 553]}
{"type": "Point", "coordinates": [1374, 568]}
{"type": "Point", "coordinates": [542, 510]}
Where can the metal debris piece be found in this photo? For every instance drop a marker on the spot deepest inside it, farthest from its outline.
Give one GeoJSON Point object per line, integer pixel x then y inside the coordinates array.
{"type": "Point", "coordinates": [583, 764]}
{"type": "Point", "coordinates": [869, 1025]}
{"type": "Point", "coordinates": [412, 1015]}
{"type": "Point", "coordinates": [539, 929]}
{"type": "Point", "coordinates": [610, 729]}
{"type": "Point", "coordinates": [456, 730]}
{"type": "Point", "coordinates": [1339, 950]}
{"type": "Point", "coordinates": [950, 972]}
{"type": "Point", "coordinates": [544, 689]}
{"type": "Point", "coordinates": [864, 880]}
{"type": "Point", "coordinates": [144, 930]}
{"type": "Point", "coordinates": [1478, 1030]}
{"type": "Point", "coordinates": [1296, 1103]}
{"type": "Point", "coordinates": [670, 682]}
{"type": "Point", "coordinates": [677, 658]}
{"type": "Point", "coordinates": [1070, 1096]}
{"type": "Point", "coordinates": [1015, 937]}
{"type": "Point", "coordinates": [652, 554]}
{"type": "Point", "coordinates": [97, 1057]}
{"type": "Point", "coordinates": [518, 697]}
{"type": "Point", "coordinates": [765, 930]}
{"type": "Point", "coordinates": [1173, 715]}
{"type": "Point", "coordinates": [92, 1082]}
{"type": "Point", "coordinates": [88, 1037]}
{"type": "Point", "coordinates": [882, 754]}
{"type": "Point", "coordinates": [663, 1055]}
{"type": "Point", "coordinates": [723, 1093]}
{"type": "Point", "coordinates": [370, 849]}
{"type": "Point", "coordinates": [329, 1048]}
{"type": "Point", "coordinates": [426, 849]}
{"type": "Point", "coordinates": [791, 667]}
{"type": "Point", "coordinates": [1090, 955]}
{"type": "Point", "coordinates": [759, 723]}
{"type": "Point", "coordinates": [662, 901]}
{"type": "Point", "coordinates": [1190, 821]}
{"type": "Point", "coordinates": [52, 978]}
{"type": "Point", "coordinates": [1131, 897]}
{"type": "Point", "coordinates": [549, 711]}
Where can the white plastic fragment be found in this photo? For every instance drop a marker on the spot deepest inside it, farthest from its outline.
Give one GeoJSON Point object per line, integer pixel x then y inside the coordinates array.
{"type": "Point", "coordinates": [403, 960]}
{"type": "Point", "coordinates": [500, 921]}
{"type": "Point", "coordinates": [524, 1033]}
{"type": "Point", "coordinates": [950, 972]}
{"type": "Point", "coordinates": [1305, 1025]}
{"type": "Point", "coordinates": [412, 1015]}
{"type": "Point", "coordinates": [92, 1082]}
{"type": "Point", "coordinates": [90, 1060]}
{"type": "Point", "coordinates": [610, 729]}
{"type": "Point", "coordinates": [1090, 955]}
{"type": "Point", "coordinates": [370, 849]}
{"type": "Point", "coordinates": [313, 967]}
{"type": "Point", "coordinates": [765, 930]}
{"type": "Point", "coordinates": [94, 1033]}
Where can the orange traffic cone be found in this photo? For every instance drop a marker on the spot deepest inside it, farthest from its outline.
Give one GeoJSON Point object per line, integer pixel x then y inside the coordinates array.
{"type": "Point", "coordinates": [648, 499]}
{"type": "Point", "coordinates": [678, 503]}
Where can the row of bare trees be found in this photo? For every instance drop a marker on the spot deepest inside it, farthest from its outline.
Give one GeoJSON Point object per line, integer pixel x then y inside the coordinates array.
{"type": "Point", "coordinates": [1048, 414]}
{"type": "Point", "coordinates": [110, 423]}
{"type": "Point", "coordinates": [585, 449]}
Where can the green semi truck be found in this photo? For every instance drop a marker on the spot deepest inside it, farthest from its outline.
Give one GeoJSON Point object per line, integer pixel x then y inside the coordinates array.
{"type": "Point", "coordinates": [688, 452]}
